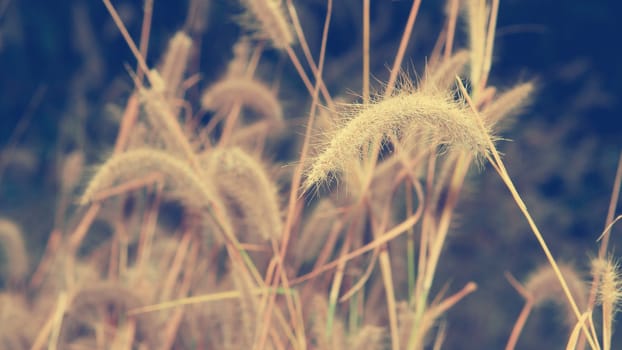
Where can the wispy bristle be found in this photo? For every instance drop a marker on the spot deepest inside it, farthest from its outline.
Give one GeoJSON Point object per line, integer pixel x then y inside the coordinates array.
{"type": "Point", "coordinates": [431, 117]}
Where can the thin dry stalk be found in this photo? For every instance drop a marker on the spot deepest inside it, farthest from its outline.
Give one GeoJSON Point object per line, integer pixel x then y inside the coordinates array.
{"type": "Point", "coordinates": [54, 242]}
{"type": "Point", "coordinates": [574, 335]}
{"type": "Point", "coordinates": [176, 266]}
{"type": "Point", "coordinates": [145, 30]}
{"type": "Point", "coordinates": [609, 293]}
{"type": "Point", "coordinates": [315, 231]}
{"type": "Point", "coordinates": [437, 310]}
{"type": "Point", "coordinates": [366, 25]}
{"type": "Point", "coordinates": [524, 314]}
{"type": "Point", "coordinates": [197, 16]}
{"type": "Point", "coordinates": [542, 286]}
{"type": "Point", "coordinates": [308, 56]}
{"type": "Point", "coordinates": [602, 251]}
{"type": "Point", "coordinates": [363, 279]}
{"type": "Point", "coordinates": [401, 51]}
{"type": "Point", "coordinates": [61, 306]}
{"type": "Point", "coordinates": [387, 279]}
{"type": "Point", "coordinates": [452, 7]}
{"type": "Point", "coordinates": [518, 325]}
{"type": "Point", "coordinates": [386, 237]}
{"type": "Point", "coordinates": [296, 180]}
{"type": "Point", "coordinates": [435, 245]}
{"type": "Point", "coordinates": [499, 166]}
{"type": "Point", "coordinates": [335, 288]}
{"type": "Point", "coordinates": [475, 14]}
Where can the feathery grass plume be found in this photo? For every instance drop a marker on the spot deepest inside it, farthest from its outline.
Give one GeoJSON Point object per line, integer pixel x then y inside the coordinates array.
{"type": "Point", "coordinates": [543, 285]}
{"type": "Point", "coordinates": [175, 62]}
{"type": "Point", "coordinates": [252, 94]}
{"type": "Point", "coordinates": [86, 310]}
{"type": "Point", "coordinates": [15, 262]}
{"type": "Point", "coordinates": [432, 117]}
{"type": "Point", "coordinates": [163, 118]}
{"type": "Point", "coordinates": [244, 184]}
{"type": "Point", "coordinates": [139, 162]}
{"type": "Point", "coordinates": [609, 294]}
{"type": "Point", "coordinates": [194, 190]}
{"type": "Point", "coordinates": [507, 104]}
{"type": "Point", "coordinates": [268, 20]}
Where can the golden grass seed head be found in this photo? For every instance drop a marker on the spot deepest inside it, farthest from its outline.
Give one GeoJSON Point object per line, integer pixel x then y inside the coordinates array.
{"type": "Point", "coordinates": [246, 187]}
{"type": "Point", "coordinates": [175, 61]}
{"type": "Point", "coordinates": [252, 94]}
{"type": "Point", "coordinates": [268, 20]}
{"type": "Point", "coordinates": [610, 286]}
{"type": "Point", "coordinates": [435, 118]}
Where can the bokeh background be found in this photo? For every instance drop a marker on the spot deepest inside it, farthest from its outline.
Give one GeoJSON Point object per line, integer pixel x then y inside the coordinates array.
{"type": "Point", "coordinates": [62, 75]}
